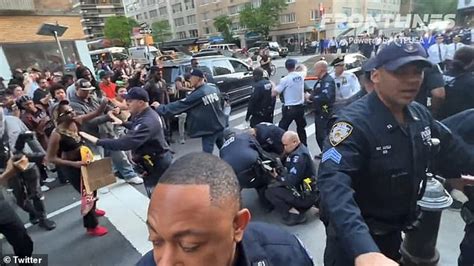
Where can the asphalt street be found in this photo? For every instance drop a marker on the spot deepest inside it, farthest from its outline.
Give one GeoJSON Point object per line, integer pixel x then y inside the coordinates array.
{"type": "Point", "coordinates": [126, 208]}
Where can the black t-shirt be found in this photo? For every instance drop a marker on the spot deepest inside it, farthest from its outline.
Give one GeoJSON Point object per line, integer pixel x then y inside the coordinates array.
{"type": "Point", "coordinates": [433, 79]}
{"type": "Point", "coordinates": [459, 94]}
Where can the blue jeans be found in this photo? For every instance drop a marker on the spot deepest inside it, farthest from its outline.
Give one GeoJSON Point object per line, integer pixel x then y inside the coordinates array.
{"type": "Point", "coordinates": [208, 141]}
{"type": "Point", "coordinates": [121, 164]}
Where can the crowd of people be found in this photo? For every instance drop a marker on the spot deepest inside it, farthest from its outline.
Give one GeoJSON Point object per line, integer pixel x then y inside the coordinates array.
{"type": "Point", "coordinates": [373, 151]}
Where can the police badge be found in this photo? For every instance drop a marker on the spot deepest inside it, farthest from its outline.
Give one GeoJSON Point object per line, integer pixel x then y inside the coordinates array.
{"type": "Point", "coordinates": [339, 132]}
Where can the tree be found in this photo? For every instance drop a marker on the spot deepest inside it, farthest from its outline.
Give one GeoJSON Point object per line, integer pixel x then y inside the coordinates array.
{"type": "Point", "coordinates": [263, 18]}
{"type": "Point", "coordinates": [161, 31]}
{"type": "Point", "coordinates": [223, 24]}
{"type": "Point", "coordinates": [119, 29]}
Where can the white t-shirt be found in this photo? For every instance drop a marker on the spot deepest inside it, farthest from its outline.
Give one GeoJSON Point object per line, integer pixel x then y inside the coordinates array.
{"type": "Point", "coordinates": [292, 87]}
{"type": "Point", "coordinates": [452, 48]}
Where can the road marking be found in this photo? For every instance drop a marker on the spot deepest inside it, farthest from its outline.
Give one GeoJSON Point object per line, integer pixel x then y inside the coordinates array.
{"type": "Point", "coordinates": [244, 125]}
{"type": "Point", "coordinates": [126, 208]}
{"type": "Point", "coordinates": [59, 211]}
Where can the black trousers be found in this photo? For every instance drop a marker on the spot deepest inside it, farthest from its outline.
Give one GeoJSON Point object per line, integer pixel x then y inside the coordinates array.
{"type": "Point", "coordinates": [27, 192]}
{"type": "Point", "coordinates": [466, 258]}
{"type": "Point", "coordinates": [294, 113]}
{"type": "Point", "coordinates": [321, 124]}
{"type": "Point", "coordinates": [335, 255]}
{"type": "Point", "coordinates": [14, 231]}
{"type": "Point", "coordinates": [74, 175]}
{"type": "Point", "coordinates": [283, 200]}
{"type": "Point", "coordinates": [257, 119]}
{"type": "Point", "coordinates": [343, 49]}
{"type": "Point", "coordinates": [153, 176]}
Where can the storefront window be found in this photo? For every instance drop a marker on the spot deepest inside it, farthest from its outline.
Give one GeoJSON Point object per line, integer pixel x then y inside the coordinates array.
{"type": "Point", "coordinates": [40, 55]}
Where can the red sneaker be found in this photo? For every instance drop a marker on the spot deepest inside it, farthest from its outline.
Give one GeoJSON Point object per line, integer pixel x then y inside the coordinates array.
{"type": "Point", "coordinates": [99, 212]}
{"type": "Point", "coordinates": [97, 231]}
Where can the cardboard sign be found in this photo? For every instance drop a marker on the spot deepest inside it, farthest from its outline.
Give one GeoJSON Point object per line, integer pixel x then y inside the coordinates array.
{"type": "Point", "coordinates": [98, 174]}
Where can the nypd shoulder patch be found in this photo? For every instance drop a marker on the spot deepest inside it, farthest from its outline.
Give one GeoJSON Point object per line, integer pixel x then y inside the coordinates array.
{"type": "Point", "coordinates": [339, 132]}
{"type": "Point", "coordinates": [333, 155]}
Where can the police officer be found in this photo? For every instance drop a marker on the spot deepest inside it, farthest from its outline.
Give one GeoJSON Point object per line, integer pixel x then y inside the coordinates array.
{"type": "Point", "coordinates": [262, 103]}
{"type": "Point", "coordinates": [195, 218]}
{"type": "Point", "coordinates": [459, 82]}
{"type": "Point", "coordinates": [204, 106]}
{"type": "Point", "coordinates": [294, 193]}
{"type": "Point", "coordinates": [347, 84]}
{"type": "Point", "coordinates": [292, 88]}
{"type": "Point", "coordinates": [322, 98]}
{"type": "Point", "coordinates": [374, 159]}
{"type": "Point", "coordinates": [240, 152]}
{"type": "Point", "coordinates": [462, 124]}
{"type": "Point", "coordinates": [269, 137]}
{"type": "Point", "coordinates": [145, 137]}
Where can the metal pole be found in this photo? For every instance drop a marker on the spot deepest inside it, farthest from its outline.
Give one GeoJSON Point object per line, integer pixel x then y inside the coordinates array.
{"type": "Point", "coordinates": [60, 48]}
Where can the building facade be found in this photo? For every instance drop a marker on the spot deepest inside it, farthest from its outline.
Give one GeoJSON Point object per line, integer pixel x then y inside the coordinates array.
{"type": "Point", "coordinates": [25, 48]}
{"type": "Point", "coordinates": [180, 14]}
{"type": "Point", "coordinates": [94, 13]}
{"type": "Point", "coordinates": [300, 22]}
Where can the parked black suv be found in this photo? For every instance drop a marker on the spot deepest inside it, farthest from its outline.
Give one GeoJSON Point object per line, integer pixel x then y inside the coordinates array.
{"type": "Point", "coordinates": [231, 75]}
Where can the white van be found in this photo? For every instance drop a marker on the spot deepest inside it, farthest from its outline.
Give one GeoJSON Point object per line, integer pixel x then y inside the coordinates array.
{"type": "Point", "coordinates": [225, 46]}
{"type": "Point", "coordinates": [108, 54]}
{"type": "Point", "coordinates": [144, 55]}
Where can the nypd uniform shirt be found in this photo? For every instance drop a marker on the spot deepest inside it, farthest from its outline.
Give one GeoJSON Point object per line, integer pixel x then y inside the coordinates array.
{"type": "Point", "coordinates": [292, 88]}
{"type": "Point", "coordinates": [452, 48]}
{"type": "Point", "coordinates": [324, 95]}
{"type": "Point", "coordinates": [437, 53]}
{"type": "Point", "coordinates": [347, 85]}
{"type": "Point", "coordinates": [371, 169]}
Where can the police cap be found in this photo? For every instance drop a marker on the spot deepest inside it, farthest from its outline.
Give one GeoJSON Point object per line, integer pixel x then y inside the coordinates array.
{"type": "Point", "coordinates": [397, 54]}
{"type": "Point", "coordinates": [338, 61]}
{"type": "Point", "coordinates": [137, 93]}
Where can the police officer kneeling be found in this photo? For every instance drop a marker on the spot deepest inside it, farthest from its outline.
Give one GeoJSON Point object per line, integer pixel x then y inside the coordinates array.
{"type": "Point", "coordinates": [375, 159]}
{"type": "Point", "coordinates": [145, 138]}
{"type": "Point", "coordinates": [261, 103]}
{"type": "Point", "coordinates": [269, 137]}
{"type": "Point", "coordinates": [294, 193]}
{"type": "Point", "coordinates": [195, 218]}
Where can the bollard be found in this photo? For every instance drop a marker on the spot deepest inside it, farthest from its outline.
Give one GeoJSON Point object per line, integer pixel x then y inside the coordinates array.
{"type": "Point", "coordinates": [419, 245]}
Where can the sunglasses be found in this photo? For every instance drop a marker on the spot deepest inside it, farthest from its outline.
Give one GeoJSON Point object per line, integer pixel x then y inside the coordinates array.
{"type": "Point", "coordinates": [67, 112]}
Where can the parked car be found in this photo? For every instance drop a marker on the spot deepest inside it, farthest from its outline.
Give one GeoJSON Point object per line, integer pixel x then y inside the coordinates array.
{"type": "Point", "coordinates": [225, 46]}
{"type": "Point", "coordinates": [273, 46]}
{"type": "Point", "coordinates": [232, 76]}
{"type": "Point", "coordinates": [273, 54]}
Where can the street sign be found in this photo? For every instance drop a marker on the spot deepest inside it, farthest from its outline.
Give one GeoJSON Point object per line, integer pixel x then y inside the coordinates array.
{"type": "Point", "coordinates": [146, 31]}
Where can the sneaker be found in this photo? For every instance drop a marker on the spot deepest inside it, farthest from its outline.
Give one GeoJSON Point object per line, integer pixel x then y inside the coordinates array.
{"type": "Point", "coordinates": [50, 180]}
{"type": "Point", "coordinates": [97, 231]}
{"type": "Point", "coordinates": [294, 219]}
{"type": "Point", "coordinates": [44, 188]}
{"type": "Point", "coordinates": [99, 212]}
{"type": "Point", "coordinates": [47, 224]}
{"type": "Point", "coordinates": [135, 180]}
